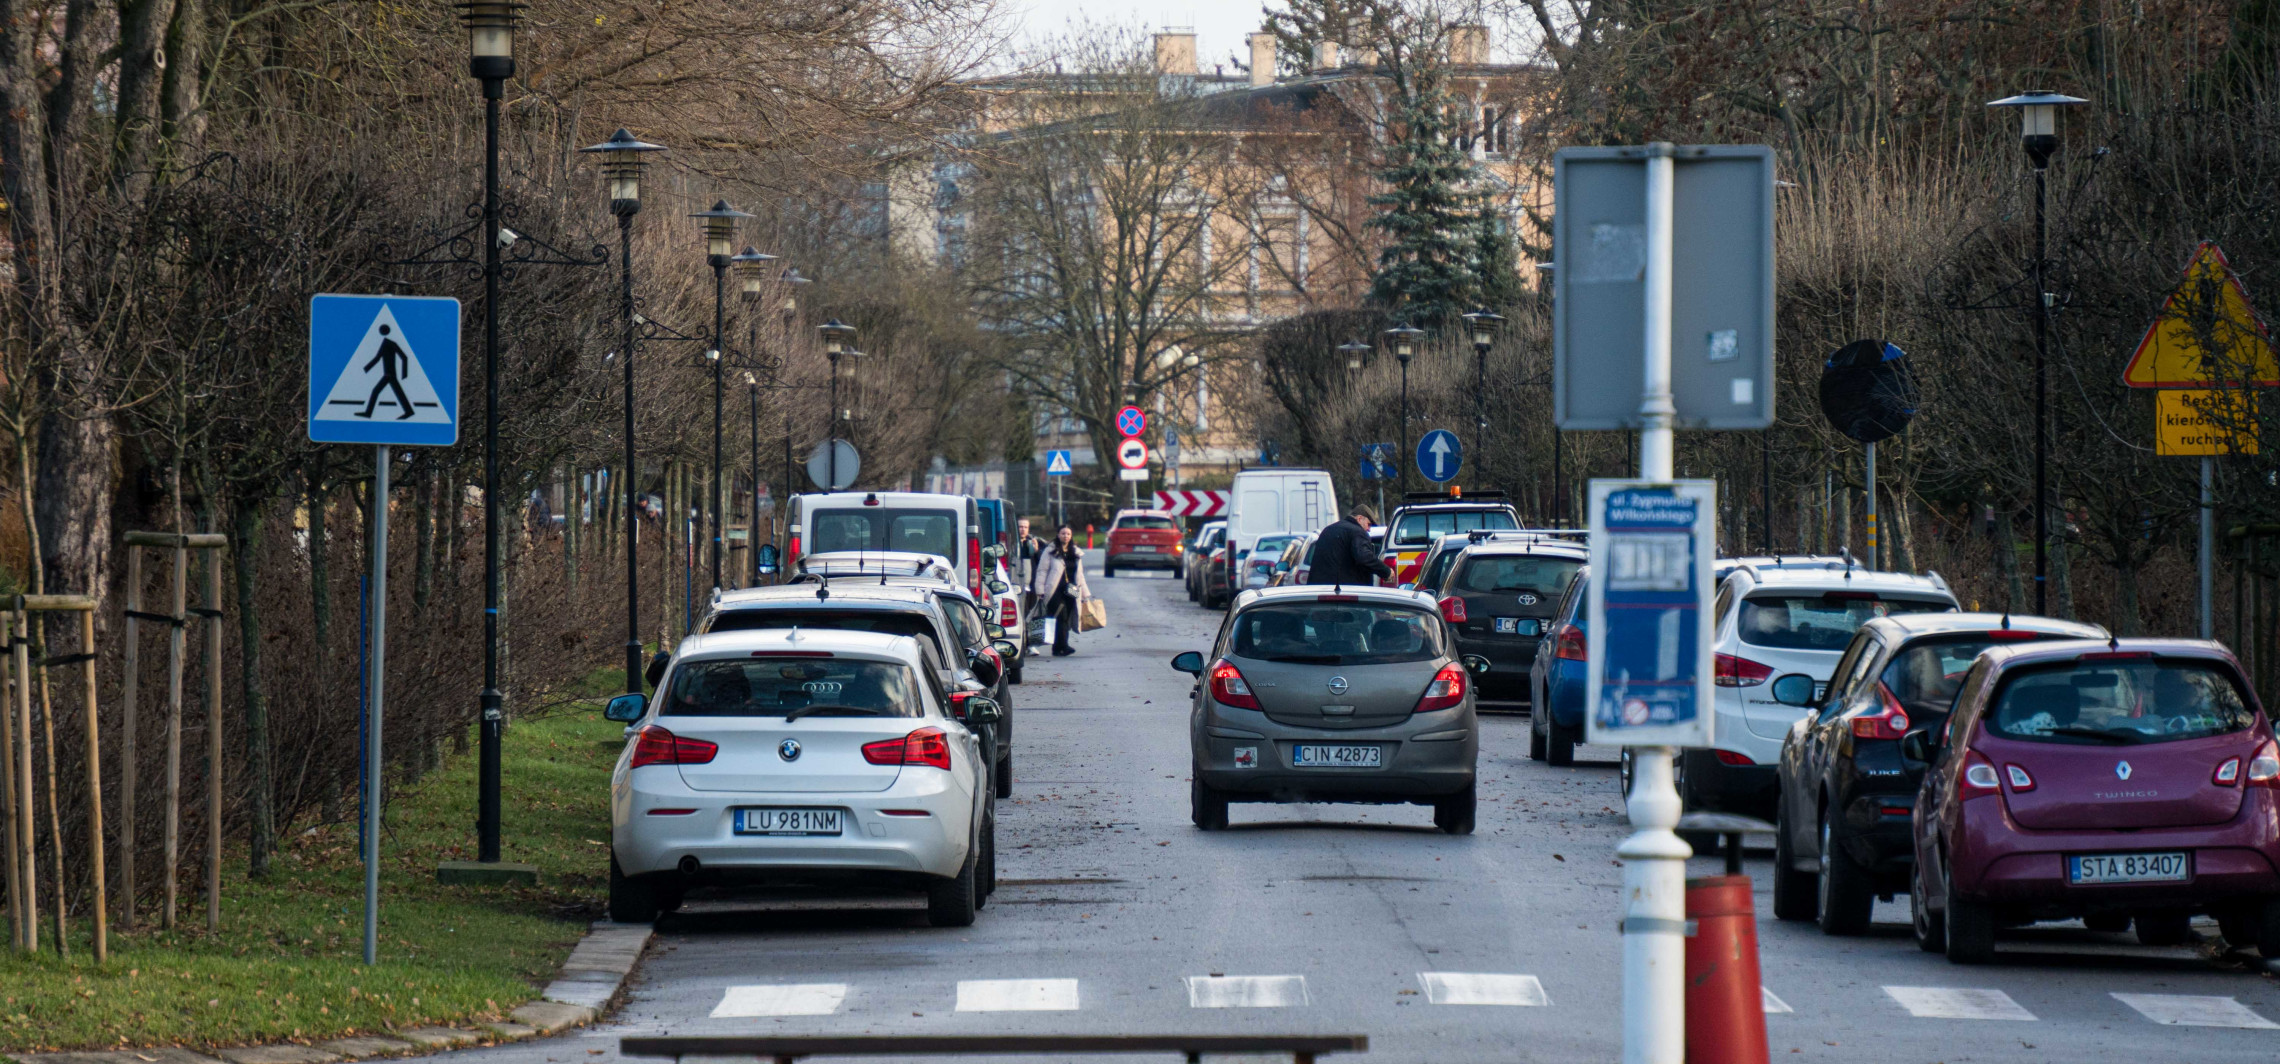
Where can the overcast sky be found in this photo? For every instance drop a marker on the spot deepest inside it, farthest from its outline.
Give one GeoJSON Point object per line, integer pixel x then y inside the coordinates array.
{"type": "Point", "coordinates": [1222, 26]}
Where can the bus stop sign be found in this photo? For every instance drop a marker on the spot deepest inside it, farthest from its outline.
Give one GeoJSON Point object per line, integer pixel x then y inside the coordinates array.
{"type": "Point", "coordinates": [1648, 675]}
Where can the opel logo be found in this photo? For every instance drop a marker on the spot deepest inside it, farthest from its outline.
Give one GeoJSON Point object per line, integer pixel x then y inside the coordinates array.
{"type": "Point", "coordinates": [789, 749]}
{"type": "Point", "coordinates": [1338, 685]}
{"type": "Point", "coordinates": [2121, 770]}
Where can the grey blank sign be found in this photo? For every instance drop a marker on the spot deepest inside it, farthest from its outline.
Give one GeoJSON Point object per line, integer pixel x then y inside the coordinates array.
{"type": "Point", "coordinates": [820, 468]}
{"type": "Point", "coordinates": [1721, 349]}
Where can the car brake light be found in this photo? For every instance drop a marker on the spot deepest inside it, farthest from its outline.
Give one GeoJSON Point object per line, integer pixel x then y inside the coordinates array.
{"type": "Point", "coordinates": [2264, 768]}
{"type": "Point", "coordinates": [2020, 779]}
{"type": "Point", "coordinates": [1446, 691]}
{"type": "Point", "coordinates": [1735, 760]}
{"type": "Point", "coordinates": [1851, 596]}
{"type": "Point", "coordinates": [1009, 614]}
{"type": "Point", "coordinates": [926, 746]}
{"type": "Point", "coordinates": [974, 564]}
{"type": "Point", "coordinates": [2115, 655]}
{"type": "Point", "coordinates": [1453, 610]}
{"type": "Point", "coordinates": [1570, 646]}
{"type": "Point", "coordinates": [1228, 687]}
{"type": "Point", "coordinates": [1730, 671]}
{"type": "Point", "coordinates": [2010, 634]}
{"type": "Point", "coordinates": [1978, 777]}
{"type": "Point", "coordinates": [792, 553]}
{"type": "Point", "coordinates": [2227, 774]}
{"type": "Point", "coordinates": [1890, 722]}
{"type": "Point", "coordinates": [1337, 598]}
{"type": "Point", "coordinates": [653, 745]}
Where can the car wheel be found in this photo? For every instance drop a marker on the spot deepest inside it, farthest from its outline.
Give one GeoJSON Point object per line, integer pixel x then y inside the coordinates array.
{"type": "Point", "coordinates": [1847, 896]}
{"type": "Point", "coordinates": [633, 899]}
{"type": "Point", "coordinates": [2116, 923]}
{"type": "Point", "coordinates": [1013, 674]}
{"type": "Point", "coordinates": [1207, 806]}
{"type": "Point", "coordinates": [2169, 927]}
{"type": "Point", "coordinates": [669, 899]}
{"type": "Point", "coordinates": [1003, 784]}
{"type": "Point", "coordinates": [1792, 890]}
{"type": "Point", "coordinates": [1970, 928]}
{"type": "Point", "coordinates": [1454, 813]}
{"type": "Point", "coordinates": [1536, 742]}
{"type": "Point", "coordinates": [1108, 571]}
{"type": "Point", "coordinates": [1559, 746]}
{"type": "Point", "coordinates": [2268, 928]}
{"type": "Point", "coordinates": [985, 879]}
{"type": "Point", "coordinates": [950, 902]}
{"type": "Point", "coordinates": [1930, 927]}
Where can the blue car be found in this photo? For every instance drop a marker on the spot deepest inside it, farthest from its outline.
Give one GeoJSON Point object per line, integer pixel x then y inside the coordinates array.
{"type": "Point", "coordinates": [1556, 679]}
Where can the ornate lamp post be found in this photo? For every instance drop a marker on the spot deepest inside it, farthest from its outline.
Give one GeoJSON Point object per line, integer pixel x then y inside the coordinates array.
{"type": "Point", "coordinates": [720, 243]}
{"type": "Point", "coordinates": [838, 342]}
{"type": "Point", "coordinates": [1403, 339]}
{"type": "Point", "coordinates": [623, 159]}
{"type": "Point", "coordinates": [1484, 323]}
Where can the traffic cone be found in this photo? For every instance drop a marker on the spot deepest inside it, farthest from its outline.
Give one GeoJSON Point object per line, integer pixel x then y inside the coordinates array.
{"type": "Point", "coordinates": [1725, 1009]}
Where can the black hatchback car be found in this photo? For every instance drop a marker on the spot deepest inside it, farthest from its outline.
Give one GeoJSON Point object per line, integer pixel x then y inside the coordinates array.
{"type": "Point", "coordinates": [1499, 597]}
{"type": "Point", "coordinates": [1842, 836]}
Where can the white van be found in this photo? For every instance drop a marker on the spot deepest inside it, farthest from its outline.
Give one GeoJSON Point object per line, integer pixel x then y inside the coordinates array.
{"type": "Point", "coordinates": [911, 522]}
{"type": "Point", "coordinates": [1274, 501]}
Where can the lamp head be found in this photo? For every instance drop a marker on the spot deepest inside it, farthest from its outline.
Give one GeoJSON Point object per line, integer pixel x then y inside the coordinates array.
{"type": "Point", "coordinates": [1403, 339]}
{"type": "Point", "coordinates": [1484, 323]}
{"type": "Point", "coordinates": [623, 160]}
{"type": "Point", "coordinates": [719, 225]}
{"type": "Point", "coordinates": [838, 337]}
{"type": "Point", "coordinates": [751, 271]}
{"type": "Point", "coordinates": [2038, 121]}
{"type": "Point", "coordinates": [490, 37]}
{"type": "Point", "coordinates": [1357, 355]}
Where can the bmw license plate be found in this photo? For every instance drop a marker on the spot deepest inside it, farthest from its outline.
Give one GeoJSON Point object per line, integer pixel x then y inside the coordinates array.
{"type": "Point", "coordinates": [1334, 756]}
{"type": "Point", "coordinates": [1518, 625]}
{"type": "Point", "coordinates": [2126, 867]}
{"type": "Point", "coordinates": [787, 821]}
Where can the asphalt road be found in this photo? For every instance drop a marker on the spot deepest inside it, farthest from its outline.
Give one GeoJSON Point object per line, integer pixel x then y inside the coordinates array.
{"type": "Point", "coordinates": [1117, 916]}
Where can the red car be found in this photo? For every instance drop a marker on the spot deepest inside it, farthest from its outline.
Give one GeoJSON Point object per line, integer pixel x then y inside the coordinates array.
{"type": "Point", "coordinates": [2116, 781]}
{"type": "Point", "coordinates": [1142, 539]}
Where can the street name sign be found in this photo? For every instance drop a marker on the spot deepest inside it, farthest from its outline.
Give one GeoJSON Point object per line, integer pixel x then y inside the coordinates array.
{"type": "Point", "coordinates": [384, 370]}
{"type": "Point", "coordinates": [2209, 308]}
{"type": "Point", "coordinates": [1647, 670]}
{"type": "Point", "coordinates": [1440, 455]}
{"type": "Point", "coordinates": [1058, 464]}
{"type": "Point", "coordinates": [1721, 298]}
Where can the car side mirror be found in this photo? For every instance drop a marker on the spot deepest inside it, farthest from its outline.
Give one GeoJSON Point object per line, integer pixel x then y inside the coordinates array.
{"type": "Point", "coordinates": [1409, 587]}
{"type": "Point", "coordinates": [985, 667]}
{"type": "Point", "coordinates": [981, 709]}
{"type": "Point", "coordinates": [1189, 662]}
{"type": "Point", "coordinates": [1006, 647]}
{"type": "Point", "coordinates": [1918, 745]}
{"type": "Point", "coordinates": [1476, 664]}
{"type": "Point", "coordinates": [767, 558]}
{"type": "Point", "coordinates": [994, 629]}
{"type": "Point", "coordinates": [656, 669]}
{"type": "Point", "coordinates": [1795, 689]}
{"type": "Point", "coordinates": [625, 709]}
{"type": "Point", "coordinates": [997, 586]}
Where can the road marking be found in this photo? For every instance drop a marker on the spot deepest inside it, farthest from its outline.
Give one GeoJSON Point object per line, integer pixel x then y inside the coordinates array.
{"type": "Point", "coordinates": [793, 999]}
{"type": "Point", "coordinates": [1772, 1001]}
{"type": "Point", "coordinates": [1957, 1003]}
{"type": "Point", "coordinates": [1246, 991]}
{"type": "Point", "coordinates": [2187, 1010]}
{"type": "Point", "coordinates": [1482, 988]}
{"type": "Point", "coordinates": [1017, 995]}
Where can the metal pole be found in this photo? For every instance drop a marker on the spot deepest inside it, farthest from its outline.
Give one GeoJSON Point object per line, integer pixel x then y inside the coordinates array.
{"type": "Point", "coordinates": [1480, 414]}
{"type": "Point", "coordinates": [2042, 406]}
{"type": "Point", "coordinates": [94, 789]}
{"type": "Point", "coordinates": [1875, 549]}
{"type": "Point", "coordinates": [1765, 483]}
{"type": "Point", "coordinates": [1654, 858]}
{"type": "Point", "coordinates": [493, 719]}
{"type": "Point", "coordinates": [2208, 614]}
{"type": "Point", "coordinates": [377, 679]}
{"type": "Point", "coordinates": [720, 323]}
{"type": "Point", "coordinates": [1559, 485]}
{"type": "Point", "coordinates": [632, 499]}
{"type": "Point", "coordinates": [752, 523]}
{"type": "Point", "coordinates": [831, 430]}
{"type": "Point", "coordinates": [213, 740]}
{"type": "Point", "coordinates": [1403, 456]}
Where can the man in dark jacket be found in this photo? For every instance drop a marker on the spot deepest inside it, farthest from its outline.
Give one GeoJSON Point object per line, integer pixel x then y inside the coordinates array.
{"type": "Point", "coordinates": [1345, 554]}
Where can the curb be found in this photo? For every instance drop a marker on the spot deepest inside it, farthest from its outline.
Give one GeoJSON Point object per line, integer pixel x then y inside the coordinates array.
{"type": "Point", "coordinates": [595, 972]}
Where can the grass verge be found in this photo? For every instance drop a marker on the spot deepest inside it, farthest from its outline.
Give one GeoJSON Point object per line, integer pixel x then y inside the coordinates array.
{"type": "Point", "coordinates": [287, 964]}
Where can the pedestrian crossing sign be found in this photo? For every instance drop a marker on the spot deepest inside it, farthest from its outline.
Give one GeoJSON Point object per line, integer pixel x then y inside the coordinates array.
{"type": "Point", "coordinates": [1057, 464]}
{"type": "Point", "coordinates": [384, 370]}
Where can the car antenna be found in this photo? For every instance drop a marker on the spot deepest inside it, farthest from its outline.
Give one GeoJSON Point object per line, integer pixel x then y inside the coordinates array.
{"type": "Point", "coordinates": [2006, 617]}
{"type": "Point", "coordinates": [2113, 642]}
{"type": "Point", "coordinates": [1846, 552]}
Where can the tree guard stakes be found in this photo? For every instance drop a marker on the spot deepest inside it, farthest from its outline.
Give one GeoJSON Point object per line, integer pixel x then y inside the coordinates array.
{"type": "Point", "coordinates": [16, 774]}
{"type": "Point", "coordinates": [179, 545]}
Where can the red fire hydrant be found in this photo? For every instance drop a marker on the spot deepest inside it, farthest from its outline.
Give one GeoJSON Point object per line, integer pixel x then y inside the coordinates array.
{"type": "Point", "coordinates": [1725, 1009]}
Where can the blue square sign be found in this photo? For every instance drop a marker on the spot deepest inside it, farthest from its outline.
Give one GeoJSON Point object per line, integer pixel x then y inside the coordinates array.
{"type": "Point", "coordinates": [384, 370]}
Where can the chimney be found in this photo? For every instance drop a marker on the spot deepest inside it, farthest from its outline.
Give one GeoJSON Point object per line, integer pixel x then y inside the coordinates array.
{"type": "Point", "coordinates": [1175, 52]}
{"type": "Point", "coordinates": [1468, 45]}
{"type": "Point", "coordinates": [1325, 55]}
{"type": "Point", "coordinates": [1262, 59]}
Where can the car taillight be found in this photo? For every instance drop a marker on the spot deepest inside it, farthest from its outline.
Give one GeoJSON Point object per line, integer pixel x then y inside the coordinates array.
{"type": "Point", "coordinates": [1732, 759]}
{"type": "Point", "coordinates": [1569, 646]}
{"type": "Point", "coordinates": [1009, 614]}
{"type": "Point", "coordinates": [1453, 610]}
{"type": "Point", "coordinates": [1730, 671]}
{"type": "Point", "coordinates": [2264, 768]}
{"type": "Point", "coordinates": [1979, 778]}
{"type": "Point", "coordinates": [1445, 692]}
{"type": "Point", "coordinates": [653, 745]}
{"type": "Point", "coordinates": [792, 552]}
{"type": "Point", "coordinates": [1890, 722]}
{"type": "Point", "coordinates": [1228, 687]}
{"type": "Point", "coordinates": [2021, 780]}
{"type": "Point", "coordinates": [926, 746]}
{"type": "Point", "coordinates": [974, 564]}
{"type": "Point", "coordinates": [2008, 635]}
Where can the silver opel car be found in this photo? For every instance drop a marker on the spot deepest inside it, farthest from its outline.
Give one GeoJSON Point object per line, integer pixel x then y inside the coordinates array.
{"type": "Point", "coordinates": [1333, 694]}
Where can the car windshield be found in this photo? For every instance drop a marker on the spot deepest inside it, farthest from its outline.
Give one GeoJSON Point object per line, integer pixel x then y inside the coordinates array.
{"type": "Point", "coordinates": [876, 528]}
{"type": "Point", "coordinates": [1421, 529]}
{"type": "Point", "coordinates": [1512, 574]}
{"type": "Point", "coordinates": [1143, 521]}
{"type": "Point", "coordinates": [1316, 633]}
{"type": "Point", "coordinates": [1270, 547]}
{"type": "Point", "coordinates": [1817, 622]}
{"type": "Point", "coordinates": [2125, 702]}
{"type": "Point", "coordinates": [885, 622]}
{"type": "Point", "coordinates": [810, 687]}
{"type": "Point", "coordinates": [1925, 675]}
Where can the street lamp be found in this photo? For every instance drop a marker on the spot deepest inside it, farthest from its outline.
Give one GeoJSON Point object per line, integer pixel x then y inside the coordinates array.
{"type": "Point", "coordinates": [1357, 355]}
{"type": "Point", "coordinates": [719, 225]}
{"type": "Point", "coordinates": [1403, 339]}
{"type": "Point", "coordinates": [838, 341]}
{"type": "Point", "coordinates": [2038, 132]}
{"type": "Point", "coordinates": [1484, 323]}
{"type": "Point", "coordinates": [623, 158]}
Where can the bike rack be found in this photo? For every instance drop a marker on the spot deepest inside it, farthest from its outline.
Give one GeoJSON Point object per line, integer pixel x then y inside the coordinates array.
{"type": "Point", "coordinates": [1303, 1049]}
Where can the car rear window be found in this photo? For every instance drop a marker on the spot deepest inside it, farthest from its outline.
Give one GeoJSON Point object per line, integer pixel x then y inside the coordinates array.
{"type": "Point", "coordinates": [875, 528]}
{"type": "Point", "coordinates": [1513, 574]}
{"type": "Point", "coordinates": [1926, 674]}
{"type": "Point", "coordinates": [1150, 522]}
{"type": "Point", "coordinates": [1421, 529]}
{"type": "Point", "coordinates": [1317, 633]}
{"type": "Point", "coordinates": [1818, 622]}
{"type": "Point", "coordinates": [2120, 703]}
{"type": "Point", "coordinates": [1271, 544]}
{"type": "Point", "coordinates": [820, 687]}
{"type": "Point", "coordinates": [885, 622]}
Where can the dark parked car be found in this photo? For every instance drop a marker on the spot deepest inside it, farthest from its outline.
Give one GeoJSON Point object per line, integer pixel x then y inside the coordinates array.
{"type": "Point", "coordinates": [1843, 837]}
{"type": "Point", "coordinates": [1498, 596]}
{"type": "Point", "coordinates": [1557, 678]}
{"type": "Point", "coordinates": [2132, 779]}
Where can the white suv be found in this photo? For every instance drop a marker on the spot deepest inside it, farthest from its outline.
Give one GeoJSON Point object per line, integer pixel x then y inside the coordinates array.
{"type": "Point", "coordinates": [1771, 622]}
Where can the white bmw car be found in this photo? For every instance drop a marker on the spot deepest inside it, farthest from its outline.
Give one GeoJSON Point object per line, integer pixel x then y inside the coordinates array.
{"type": "Point", "coordinates": [800, 757]}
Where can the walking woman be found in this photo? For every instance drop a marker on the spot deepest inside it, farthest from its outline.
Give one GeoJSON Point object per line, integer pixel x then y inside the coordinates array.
{"type": "Point", "coordinates": [1059, 582]}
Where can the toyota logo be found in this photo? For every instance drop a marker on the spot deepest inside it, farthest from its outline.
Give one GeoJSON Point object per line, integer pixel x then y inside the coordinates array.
{"type": "Point", "coordinates": [789, 749]}
{"type": "Point", "coordinates": [1527, 599]}
{"type": "Point", "coordinates": [2121, 770]}
{"type": "Point", "coordinates": [1338, 685]}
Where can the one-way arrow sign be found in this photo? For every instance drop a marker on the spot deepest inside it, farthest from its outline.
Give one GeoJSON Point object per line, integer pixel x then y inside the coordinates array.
{"type": "Point", "coordinates": [1440, 456]}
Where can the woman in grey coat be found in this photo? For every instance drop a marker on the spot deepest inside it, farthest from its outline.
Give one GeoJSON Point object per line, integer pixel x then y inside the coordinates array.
{"type": "Point", "coordinates": [1059, 582]}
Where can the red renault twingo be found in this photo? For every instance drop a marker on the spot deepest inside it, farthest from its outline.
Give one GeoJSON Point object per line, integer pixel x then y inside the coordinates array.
{"type": "Point", "coordinates": [2131, 780]}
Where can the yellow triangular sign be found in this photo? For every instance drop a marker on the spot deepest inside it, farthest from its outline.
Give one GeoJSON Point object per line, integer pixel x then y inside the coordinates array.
{"type": "Point", "coordinates": [2207, 334]}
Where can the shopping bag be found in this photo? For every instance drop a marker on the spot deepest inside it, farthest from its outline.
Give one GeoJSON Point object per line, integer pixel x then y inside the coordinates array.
{"type": "Point", "coordinates": [1045, 633]}
{"type": "Point", "coordinates": [1092, 614]}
